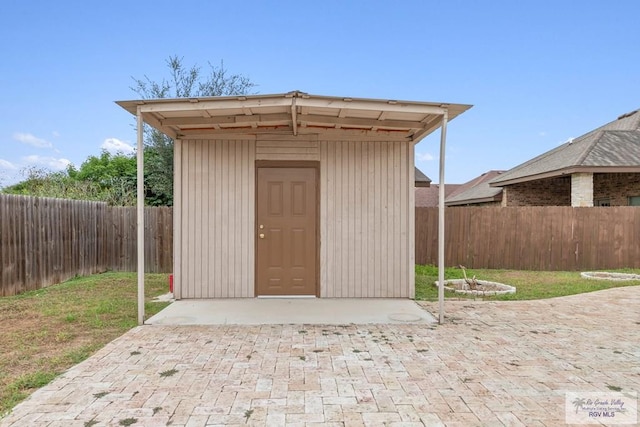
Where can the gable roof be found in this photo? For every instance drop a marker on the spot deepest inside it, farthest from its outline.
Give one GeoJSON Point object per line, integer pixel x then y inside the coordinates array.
{"type": "Point", "coordinates": [292, 113]}
{"type": "Point", "coordinates": [476, 191]}
{"type": "Point", "coordinates": [421, 180]}
{"type": "Point", "coordinates": [614, 147]}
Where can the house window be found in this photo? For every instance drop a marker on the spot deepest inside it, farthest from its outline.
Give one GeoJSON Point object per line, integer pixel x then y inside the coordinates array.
{"type": "Point", "coordinates": [602, 202]}
{"type": "Point", "coordinates": [634, 201]}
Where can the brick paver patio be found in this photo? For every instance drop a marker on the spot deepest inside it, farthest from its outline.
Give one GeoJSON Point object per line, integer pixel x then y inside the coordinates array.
{"type": "Point", "coordinates": [491, 364]}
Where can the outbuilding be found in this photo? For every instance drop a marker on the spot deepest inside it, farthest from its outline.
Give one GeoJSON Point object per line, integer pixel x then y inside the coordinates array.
{"type": "Point", "coordinates": [293, 194]}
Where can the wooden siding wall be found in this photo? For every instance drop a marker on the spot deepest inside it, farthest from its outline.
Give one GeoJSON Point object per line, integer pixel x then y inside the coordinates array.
{"type": "Point", "coordinates": [214, 218]}
{"type": "Point", "coordinates": [44, 241]}
{"type": "Point", "coordinates": [366, 210]}
{"type": "Point", "coordinates": [284, 147]}
{"type": "Point", "coordinates": [532, 238]}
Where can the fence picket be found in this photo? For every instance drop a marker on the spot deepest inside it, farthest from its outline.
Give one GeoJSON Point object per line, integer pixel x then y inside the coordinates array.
{"type": "Point", "coordinates": [533, 238]}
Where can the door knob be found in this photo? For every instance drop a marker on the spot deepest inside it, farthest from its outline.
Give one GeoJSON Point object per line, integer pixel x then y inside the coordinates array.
{"type": "Point", "coordinates": [261, 235]}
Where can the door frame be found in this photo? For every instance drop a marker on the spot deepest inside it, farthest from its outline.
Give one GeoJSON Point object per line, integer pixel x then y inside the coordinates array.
{"type": "Point", "coordinates": [281, 164]}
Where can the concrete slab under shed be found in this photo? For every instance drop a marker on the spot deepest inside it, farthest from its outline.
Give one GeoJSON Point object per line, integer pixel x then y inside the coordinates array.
{"type": "Point", "coordinates": [320, 311]}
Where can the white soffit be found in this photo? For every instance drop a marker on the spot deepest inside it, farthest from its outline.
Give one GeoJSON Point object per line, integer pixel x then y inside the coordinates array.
{"type": "Point", "coordinates": [293, 113]}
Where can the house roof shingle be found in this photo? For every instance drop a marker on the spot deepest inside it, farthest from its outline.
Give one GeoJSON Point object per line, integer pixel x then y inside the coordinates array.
{"type": "Point", "coordinates": [614, 145]}
{"type": "Point", "coordinates": [476, 191]}
{"type": "Point", "coordinates": [427, 197]}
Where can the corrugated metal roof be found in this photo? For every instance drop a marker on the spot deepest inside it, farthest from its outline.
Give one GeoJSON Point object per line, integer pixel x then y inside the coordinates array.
{"type": "Point", "coordinates": [614, 145]}
{"type": "Point", "coordinates": [294, 113]}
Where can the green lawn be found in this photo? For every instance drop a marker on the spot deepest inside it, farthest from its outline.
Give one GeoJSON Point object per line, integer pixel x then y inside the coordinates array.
{"type": "Point", "coordinates": [45, 332]}
{"type": "Point", "coordinates": [529, 284]}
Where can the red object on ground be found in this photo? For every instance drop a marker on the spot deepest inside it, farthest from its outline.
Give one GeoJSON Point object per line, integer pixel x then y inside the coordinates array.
{"type": "Point", "coordinates": [171, 283]}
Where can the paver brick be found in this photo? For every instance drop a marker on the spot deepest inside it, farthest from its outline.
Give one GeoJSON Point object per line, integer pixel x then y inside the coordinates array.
{"type": "Point", "coordinates": [490, 364]}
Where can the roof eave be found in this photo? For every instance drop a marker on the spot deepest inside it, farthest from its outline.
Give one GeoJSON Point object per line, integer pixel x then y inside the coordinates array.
{"type": "Point", "coordinates": [495, 198]}
{"type": "Point", "coordinates": [565, 172]}
{"type": "Point", "coordinates": [185, 117]}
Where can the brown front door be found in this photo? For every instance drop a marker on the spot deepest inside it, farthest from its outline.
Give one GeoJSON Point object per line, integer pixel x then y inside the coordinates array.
{"type": "Point", "coordinates": [286, 231]}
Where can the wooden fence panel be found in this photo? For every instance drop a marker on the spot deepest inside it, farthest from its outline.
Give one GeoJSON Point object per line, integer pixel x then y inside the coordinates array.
{"type": "Point", "coordinates": [44, 241]}
{"type": "Point", "coordinates": [532, 238]}
{"type": "Point", "coordinates": [122, 235]}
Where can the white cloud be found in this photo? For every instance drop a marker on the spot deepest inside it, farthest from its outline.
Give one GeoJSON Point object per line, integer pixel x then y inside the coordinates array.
{"type": "Point", "coordinates": [424, 157]}
{"type": "Point", "coordinates": [542, 133]}
{"type": "Point", "coordinates": [29, 139]}
{"type": "Point", "coordinates": [7, 165]}
{"type": "Point", "coordinates": [56, 133]}
{"type": "Point", "coordinates": [50, 162]}
{"type": "Point", "coordinates": [114, 145]}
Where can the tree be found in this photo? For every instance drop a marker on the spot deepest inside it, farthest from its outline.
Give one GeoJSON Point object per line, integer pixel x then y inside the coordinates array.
{"type": "Point", "coordinates": [114, 174]}
{"type": "Point", "coordinates": [109, 178]}
{"type": "Point", "coordinates": [40, 182]}
{"type": "Point", "coordinates": [183, 82]}
{"type": "Point", "coordinates": [105, 168]}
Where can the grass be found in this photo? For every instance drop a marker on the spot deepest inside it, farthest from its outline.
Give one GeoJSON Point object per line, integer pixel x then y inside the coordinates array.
{"type": "Point", "coordinates": [529, 284]}
{"type": "Point", "coordinates": [47, 331]}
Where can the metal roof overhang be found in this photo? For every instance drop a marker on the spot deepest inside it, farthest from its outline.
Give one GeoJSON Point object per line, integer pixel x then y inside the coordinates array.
{"type": "Point", "coordinates": [292, 113]}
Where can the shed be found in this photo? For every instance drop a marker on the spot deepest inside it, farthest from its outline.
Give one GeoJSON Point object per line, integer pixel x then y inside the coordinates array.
{"type": "Point", "coordinates": [293, 194]}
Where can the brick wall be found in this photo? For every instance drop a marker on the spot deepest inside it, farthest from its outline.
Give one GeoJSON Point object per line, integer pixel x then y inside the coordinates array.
{"type": "Point", "coordinates": [617, 187]}
{"type": "Point", "coordinates": [543, 192]}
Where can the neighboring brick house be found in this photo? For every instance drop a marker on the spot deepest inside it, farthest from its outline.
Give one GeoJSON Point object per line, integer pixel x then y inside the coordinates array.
{"type": "Point", "coordinates": [476, 192]}
{"type": "Point", "coordinates": [600, 168]}
{"type": "Point", "coordinates": [421, 180]}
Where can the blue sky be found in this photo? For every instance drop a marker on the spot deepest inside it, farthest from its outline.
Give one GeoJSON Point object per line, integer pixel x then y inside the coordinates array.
{"type": "Point", "coordinates": [537, 72]}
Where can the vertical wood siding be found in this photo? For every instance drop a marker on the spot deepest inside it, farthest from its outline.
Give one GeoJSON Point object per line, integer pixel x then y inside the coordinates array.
{"type": "Point", "coordinates": [366, 225]}
{"type": "Point", "coordinates": [214, 219]}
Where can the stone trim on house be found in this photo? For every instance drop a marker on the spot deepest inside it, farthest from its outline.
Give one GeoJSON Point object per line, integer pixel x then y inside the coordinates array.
{"type": "Point", "coordinates": [582, 190]}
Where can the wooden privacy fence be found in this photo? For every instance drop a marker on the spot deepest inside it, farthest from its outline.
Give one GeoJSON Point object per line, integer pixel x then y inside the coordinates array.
{"type": "Point", "coordinates": [532, 238]}
{"type": "Point", "coordinates": [44, 241]}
